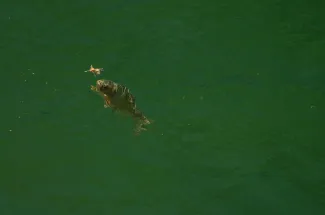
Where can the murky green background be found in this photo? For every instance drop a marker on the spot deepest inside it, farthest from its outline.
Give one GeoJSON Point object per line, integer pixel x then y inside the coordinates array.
{"type": "Point", "coordinates": [236, 89]}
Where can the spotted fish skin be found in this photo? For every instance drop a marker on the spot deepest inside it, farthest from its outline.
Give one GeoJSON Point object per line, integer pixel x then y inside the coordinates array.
{"type": "Point", "coordinates": [119, 98]}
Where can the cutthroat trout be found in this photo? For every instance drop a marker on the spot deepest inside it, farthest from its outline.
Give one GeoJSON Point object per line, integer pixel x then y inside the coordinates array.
{"type": "Point", "coordinates": [119, 98]}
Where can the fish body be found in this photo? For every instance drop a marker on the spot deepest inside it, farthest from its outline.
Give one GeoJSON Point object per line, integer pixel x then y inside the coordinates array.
{"type": "Point", "coordinates": [119, 98]}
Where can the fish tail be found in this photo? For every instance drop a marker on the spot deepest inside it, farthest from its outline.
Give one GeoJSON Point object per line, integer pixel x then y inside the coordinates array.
{"type": "Point", "coordinates": [142, 121]}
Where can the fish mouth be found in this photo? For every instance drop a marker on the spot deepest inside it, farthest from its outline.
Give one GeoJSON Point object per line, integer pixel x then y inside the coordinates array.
{"type": "Point", "coordinates": [99, 85]}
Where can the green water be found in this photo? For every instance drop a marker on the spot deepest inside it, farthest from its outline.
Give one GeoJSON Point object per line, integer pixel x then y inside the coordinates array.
{"type": "Point", "coordinates": [236, 91]}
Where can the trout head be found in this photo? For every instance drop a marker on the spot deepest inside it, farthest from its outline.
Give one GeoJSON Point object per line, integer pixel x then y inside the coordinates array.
{"type": "Point", "coordinates": [106, 86]}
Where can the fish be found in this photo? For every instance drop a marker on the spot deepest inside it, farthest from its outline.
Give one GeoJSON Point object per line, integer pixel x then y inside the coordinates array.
{"type": "Point", "coordinates": [120, 99]}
